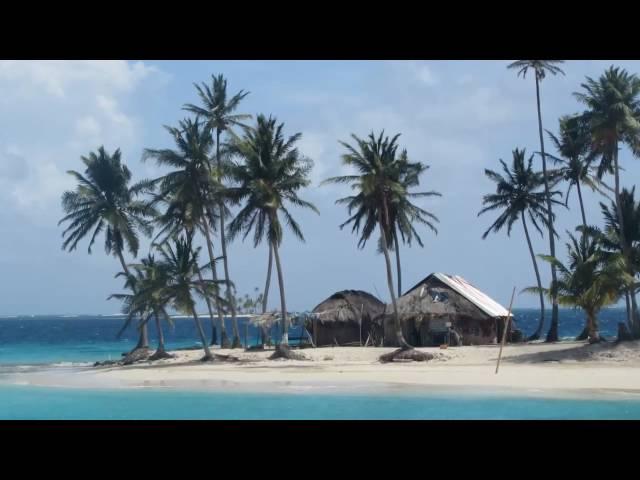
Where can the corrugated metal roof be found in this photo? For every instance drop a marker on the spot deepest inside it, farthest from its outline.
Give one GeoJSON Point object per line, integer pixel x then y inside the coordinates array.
{"type": "Point", "coordinates": [471, 293]}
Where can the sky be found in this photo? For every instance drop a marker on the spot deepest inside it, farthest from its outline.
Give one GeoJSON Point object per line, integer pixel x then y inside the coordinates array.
{"type": "Point", "coordinates": [458, 117]}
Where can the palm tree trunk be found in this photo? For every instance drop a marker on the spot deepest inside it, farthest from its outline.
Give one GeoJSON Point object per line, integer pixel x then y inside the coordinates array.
{"type": "Point", "coordinates": [536, 334]}
{"type": "Point", "coordinates": [160, 335]}
{"type": "Point", "coordinates": [143, 339]}
{"type": "Point", "coordinates": [203, 339]}
{"type": "Point", "coordinates": [584, 218]}
{"type": "Point", "coordinates": [585, 331]}
{"type": "Point", "coordinates": [223, 243]}
{"type": "Point", "coordinates": [398, 268]}
{"type": "Point", "coordinates": [627, 298]}
{"type": "Point", "coordinates": [594, 333]}
{"type": "Point", "coordinates": [552, 335]}
{"type": "Point", "coordinates": [634, 314]}
{"type": "Point", "coordinates": [265, 295]}
{"type": "Point", "coordinates": [224, 342]}
{"type": "Point", "coordinates": [626, 251]}
{"type": "Point", "coordinates": [402, 343]}
{"type": "Point", "coordinates": [283, 304]}
{"type": "Point", "coordinates": [206, 299]}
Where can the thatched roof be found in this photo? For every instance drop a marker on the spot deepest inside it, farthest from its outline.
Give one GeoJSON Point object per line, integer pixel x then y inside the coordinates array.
{"type": "Point", "coordinates": [348, 306]}
{"type": "Point", "coordinates": [442, 294]}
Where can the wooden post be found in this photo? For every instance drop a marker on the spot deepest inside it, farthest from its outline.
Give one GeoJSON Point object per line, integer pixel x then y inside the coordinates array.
{"type": "Point", "coordinates": [361, 311]}
{"type": "Point", "coordinates": [505, 329]}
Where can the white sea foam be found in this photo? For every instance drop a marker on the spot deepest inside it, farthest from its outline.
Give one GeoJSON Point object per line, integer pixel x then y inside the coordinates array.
{"type": "Point", "coordinates": [71, 364]}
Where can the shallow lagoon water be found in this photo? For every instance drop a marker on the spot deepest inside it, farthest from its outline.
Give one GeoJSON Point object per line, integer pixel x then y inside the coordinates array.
{"type": "Point", "coordinates": [43, 403]}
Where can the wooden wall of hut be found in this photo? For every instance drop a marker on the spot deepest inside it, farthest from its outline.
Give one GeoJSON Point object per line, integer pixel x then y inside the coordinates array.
{"type": "Point", "coordinates": [417, 330]}
{"type": "Point", "coordinates": [345, 333]}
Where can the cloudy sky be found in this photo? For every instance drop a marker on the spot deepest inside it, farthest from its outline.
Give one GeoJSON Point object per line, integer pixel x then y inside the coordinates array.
{"type": "Point", "coordinates": [458, 117]}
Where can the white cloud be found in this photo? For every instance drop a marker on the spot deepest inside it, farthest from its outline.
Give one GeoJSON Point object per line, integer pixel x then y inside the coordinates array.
{"type": "Point", "coordinates": [87, 126]}
{"type": "Point", "coordinates": [59, 78]}
{"type": "Point", "coordinates": [13, 166]}
{"type": "Point", "coordinates": [60, 110]}
{"type": "Point", "coordinates": [417, 71]}
{"type": "Point", "coordinates": [425, 75]}
{"type": "Point", "coordinates": [479, 108]}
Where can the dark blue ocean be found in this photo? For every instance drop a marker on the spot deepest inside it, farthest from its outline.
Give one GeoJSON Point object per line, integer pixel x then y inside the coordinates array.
{"type": "Point", "coordinates": [66, 343]}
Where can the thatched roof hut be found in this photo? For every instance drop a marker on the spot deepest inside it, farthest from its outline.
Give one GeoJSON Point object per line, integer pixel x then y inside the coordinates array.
{"type": "Point", "coordinates": [441, 302]}
{"type": "Point", "coordinates": [347, 317]}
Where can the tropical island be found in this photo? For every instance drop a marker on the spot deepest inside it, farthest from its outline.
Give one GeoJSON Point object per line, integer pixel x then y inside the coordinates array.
{"type": "Point", "coordinates": [235, 177]}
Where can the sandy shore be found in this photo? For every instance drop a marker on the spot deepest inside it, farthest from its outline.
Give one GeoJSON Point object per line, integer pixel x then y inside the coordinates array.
{"type": "Point", "coordinates": [549, 368]}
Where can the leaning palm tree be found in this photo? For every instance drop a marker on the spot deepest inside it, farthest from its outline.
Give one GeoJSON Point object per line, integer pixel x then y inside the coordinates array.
{"type": "Point", "coordinates": [517, 196]}
{"type": "Point", "coordinates": [181, 261]}
{"type": "Point", "coordinates": [104, 201]}
{"type": "Point", "coordinates": [217, 110]}
{"type": "Point", "coordinates": [380, 191]}
{"type": "Point", "coordinates": [541, 68]}
{"type": "Point", "coordinates": [613, 115]}
{"type": "Point", "coordinates": [189, 194]}
{"type": "Point", "coordinates": [149, 299]}
{"type": "Point", "coordinates": [269, 176]}
{"type": "Point", "coordinates": [576, 158]}
{"type": "Point", "coordinates": [590, 281]}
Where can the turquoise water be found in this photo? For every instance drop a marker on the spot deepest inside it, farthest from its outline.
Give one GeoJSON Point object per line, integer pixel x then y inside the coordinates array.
{"type": "Point", "coordinates": [42, 403]}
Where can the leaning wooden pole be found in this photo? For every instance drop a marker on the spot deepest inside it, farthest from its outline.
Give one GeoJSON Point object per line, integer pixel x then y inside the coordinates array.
{"type": "Point", "coordinates": [506, 328]}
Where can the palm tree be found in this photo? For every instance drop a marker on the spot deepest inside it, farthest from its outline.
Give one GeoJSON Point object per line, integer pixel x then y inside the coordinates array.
{"type": "Point", "coordinates": [104, 200]}
{"type": "Point", "coordinates": [612, 241]}
{"type": "Point", "coordinates": [149, 298]}
{"type": "Point", "coordinates": [576, 157]}
{"type": "Point", "coordinates": [189, 194]}
{"type": "Point", "coordinates": [517, 195]}
{"type": "Point", "coordinates": [541, 68]}
{"type": "Point", "coordinates": [271, 173]}
{"type": "Point", "coordinates": [403, 214]}
{"type": "Point", "coordinates": [590, 281]}
{"type": "Point", "coordinates": [217, 110]}
{"type": "Point", "coordinates": [381, 188]}
{"type": "Point", "coordinates": [613, 115]}
{"type": "Point", "coordinates": [181, 261]}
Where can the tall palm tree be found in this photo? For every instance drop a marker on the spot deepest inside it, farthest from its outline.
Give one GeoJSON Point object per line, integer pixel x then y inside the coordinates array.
{"type": "Point", "coordinates": [613, 114]}
{"type": "Point", "coordinates": [576, 158]}
{"type": "Point", "coordinates": [104, 201]}
{"type": "Point", "coordinates": [541, 68]}
{"type": "Point", "coordinates": [517, 195]}
{"type": "Point", "coordinates": [217, 110]}
{"type": "Point", "coordinates": [271, 173]}
{"type": "Point", "coordinates": [189, 193]}
{"type": "Point", "coordinates": [181, 261]}
{"type": "Point", "coordinates": [588, 281]}
{"type": "Point", "coordinates": [380, 191]}
{"type": "Point", "coordinates": [149, 299]}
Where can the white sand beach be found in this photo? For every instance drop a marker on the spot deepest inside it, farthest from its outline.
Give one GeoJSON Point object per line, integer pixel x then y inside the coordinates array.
{"type": "Point", "coordinates": [560, 368]}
